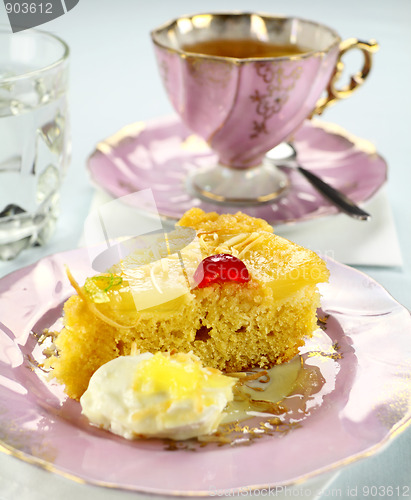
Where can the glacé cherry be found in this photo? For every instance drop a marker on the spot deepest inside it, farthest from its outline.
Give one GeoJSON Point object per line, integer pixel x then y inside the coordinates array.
{"type": "Point", "coordinates": [220, 268]}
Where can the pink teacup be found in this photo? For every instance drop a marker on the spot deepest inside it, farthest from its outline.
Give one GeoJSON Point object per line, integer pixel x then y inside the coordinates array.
{"type": "Point", "coordinates": [246, 82]}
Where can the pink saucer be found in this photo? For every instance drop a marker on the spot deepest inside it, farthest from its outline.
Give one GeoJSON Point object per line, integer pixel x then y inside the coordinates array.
{"type": "Point", "coordinates": [364, 401]}
{"type": "Point", "coordinates": [159, 154]}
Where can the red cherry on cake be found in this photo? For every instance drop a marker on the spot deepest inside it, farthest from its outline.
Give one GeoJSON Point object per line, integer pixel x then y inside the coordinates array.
{"type": "Point", "coordinates": [221, 268]}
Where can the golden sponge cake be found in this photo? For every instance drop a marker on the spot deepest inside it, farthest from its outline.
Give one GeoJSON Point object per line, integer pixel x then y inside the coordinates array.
{"type": "Point", "coordinates": [154, 305]}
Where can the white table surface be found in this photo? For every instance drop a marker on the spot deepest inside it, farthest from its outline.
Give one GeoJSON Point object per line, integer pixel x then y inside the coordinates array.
{"type": "Point", "coordinates": [114, 81]}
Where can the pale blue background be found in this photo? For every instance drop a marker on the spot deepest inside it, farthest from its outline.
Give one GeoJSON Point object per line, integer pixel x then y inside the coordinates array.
{"type": "Point", "coordinates": [114, 81]}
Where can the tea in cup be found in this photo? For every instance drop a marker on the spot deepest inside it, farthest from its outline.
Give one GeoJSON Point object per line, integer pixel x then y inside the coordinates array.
{"type": "Point", "coordinates": [245, 82]}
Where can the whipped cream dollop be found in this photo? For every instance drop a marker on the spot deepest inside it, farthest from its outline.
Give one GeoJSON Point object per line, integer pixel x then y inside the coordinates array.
{"type": "Point", "coordinates": [157, 395]}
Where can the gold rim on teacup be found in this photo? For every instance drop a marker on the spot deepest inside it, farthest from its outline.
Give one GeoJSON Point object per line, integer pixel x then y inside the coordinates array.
{"type": "Point", "coordinates": [169, 25]}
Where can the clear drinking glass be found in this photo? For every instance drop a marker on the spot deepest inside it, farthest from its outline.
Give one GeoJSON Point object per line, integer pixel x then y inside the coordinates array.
{"type": "Point", "coordinates": [34, 136]}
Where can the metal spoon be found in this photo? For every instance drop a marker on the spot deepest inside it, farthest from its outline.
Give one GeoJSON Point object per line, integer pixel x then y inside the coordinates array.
{"type": "Point", "coordinates": [285, 155]}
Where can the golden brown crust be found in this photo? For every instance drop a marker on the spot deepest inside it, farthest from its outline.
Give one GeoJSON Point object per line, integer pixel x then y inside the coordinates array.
{"type": "Point", "coordinates": [228, 223]}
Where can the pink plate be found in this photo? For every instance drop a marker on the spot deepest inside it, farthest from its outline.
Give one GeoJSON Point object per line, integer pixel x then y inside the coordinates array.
{"type": "Point", "coordinates": [363, 356]}
{"type": "Point", "coordinates": [159, 154]}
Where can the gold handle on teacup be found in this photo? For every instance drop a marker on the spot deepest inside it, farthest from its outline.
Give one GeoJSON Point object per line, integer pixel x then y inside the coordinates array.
{"type": "Point", "coordinates": [334, 93]}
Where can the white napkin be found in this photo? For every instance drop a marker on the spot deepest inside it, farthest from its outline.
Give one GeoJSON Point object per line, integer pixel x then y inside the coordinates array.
{"type": "Point", "coordinates": [361, 243]}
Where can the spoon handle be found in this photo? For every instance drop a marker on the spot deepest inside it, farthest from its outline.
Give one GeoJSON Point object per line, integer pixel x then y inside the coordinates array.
{"type": "Point", "coordinates": [339, 199]}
